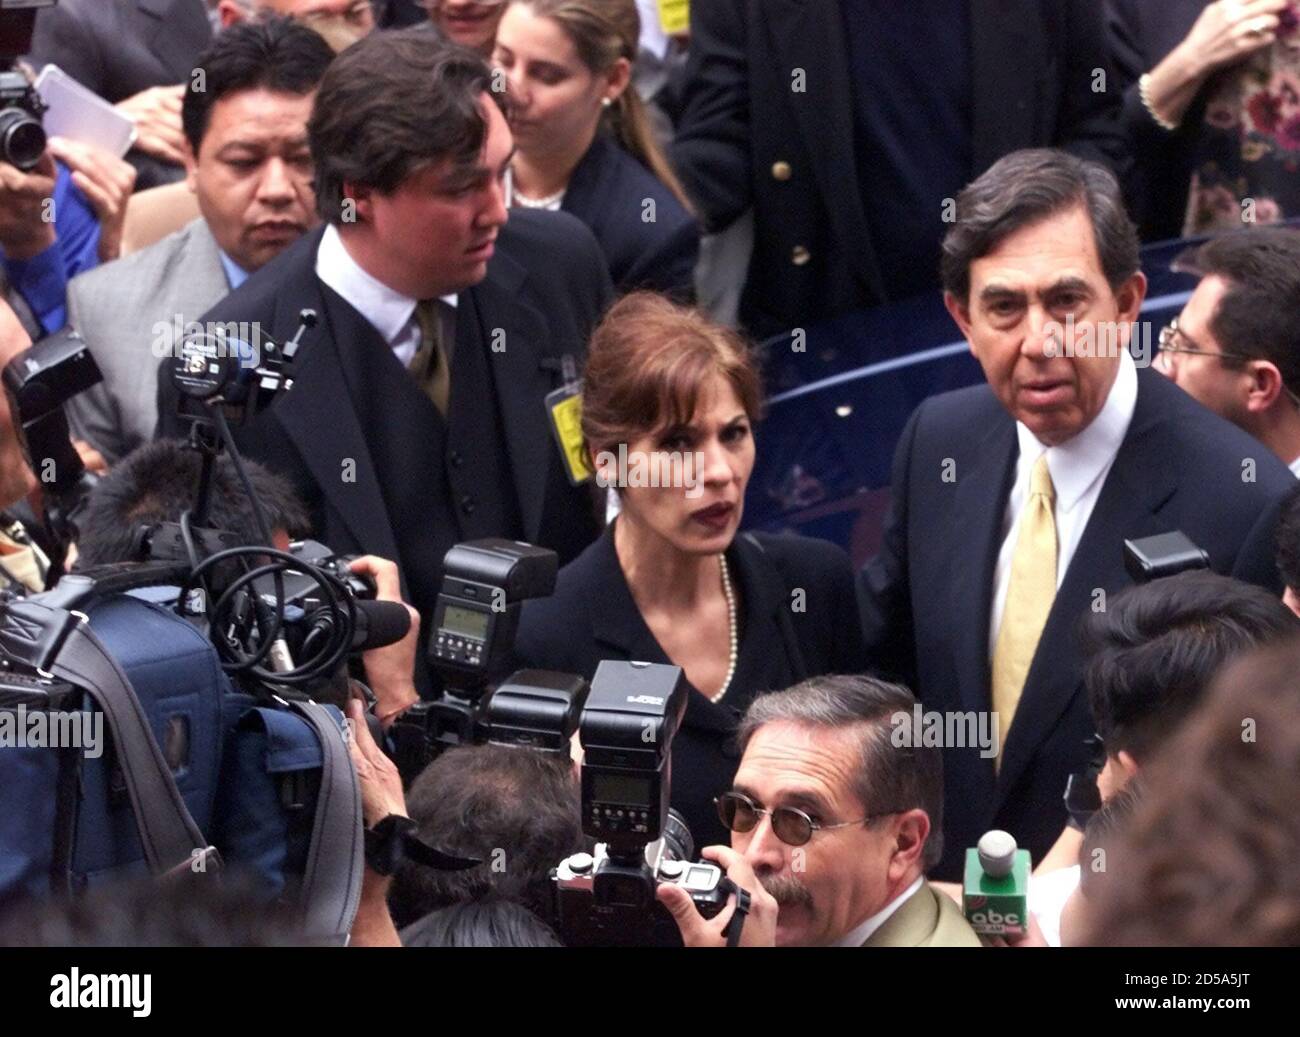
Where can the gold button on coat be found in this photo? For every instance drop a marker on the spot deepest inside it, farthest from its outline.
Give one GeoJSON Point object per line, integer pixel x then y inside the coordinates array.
{"type": "Point", "coordinates": [781, 171]}
{"type": "Point", "coordinates": [799, 256]}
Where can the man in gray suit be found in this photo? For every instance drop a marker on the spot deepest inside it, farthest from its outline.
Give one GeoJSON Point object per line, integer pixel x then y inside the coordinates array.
{"type": "Point", "coordinates": [249, 165]}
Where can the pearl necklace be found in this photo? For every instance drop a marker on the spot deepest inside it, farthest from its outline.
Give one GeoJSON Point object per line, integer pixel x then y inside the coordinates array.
{"type": "Point", "coordinates": [540, 203]}
{"type": "Point", "coordinates": [733, 635]}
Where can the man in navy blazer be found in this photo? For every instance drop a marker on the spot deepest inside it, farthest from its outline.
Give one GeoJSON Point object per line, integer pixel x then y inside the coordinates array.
{"type": "Point", "coordinates": [1041, 273]}
{"type": "Point", "coordinates": [847, 126]}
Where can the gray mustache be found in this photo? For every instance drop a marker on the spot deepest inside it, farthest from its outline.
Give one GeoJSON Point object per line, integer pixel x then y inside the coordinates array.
{"type": "Point", "coordinates": [786, 889]}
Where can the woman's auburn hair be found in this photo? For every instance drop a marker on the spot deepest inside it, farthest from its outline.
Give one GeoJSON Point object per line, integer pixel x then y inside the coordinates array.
{"type": "Point", "coordinates": [648, 364]}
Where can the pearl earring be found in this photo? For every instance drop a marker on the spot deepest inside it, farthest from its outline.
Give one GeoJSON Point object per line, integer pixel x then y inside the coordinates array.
{"type": "Point", "coordinates": [605, 102]}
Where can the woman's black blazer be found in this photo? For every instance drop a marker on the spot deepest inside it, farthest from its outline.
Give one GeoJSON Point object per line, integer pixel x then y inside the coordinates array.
{"type": "Point", "coordinates": [609, 191]}
{"type": "Point", "coordinates": [592, 617]}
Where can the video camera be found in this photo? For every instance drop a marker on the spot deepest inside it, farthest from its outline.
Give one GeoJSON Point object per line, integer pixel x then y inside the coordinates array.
{"type": "Point", "coordinates": [607, 898]}
{"type": "Point", "coordinates": [22, 135]}
{"type": "Point", "coordinates": [284, 623]}
{"type": "Point", "coordinates": [485, 583]}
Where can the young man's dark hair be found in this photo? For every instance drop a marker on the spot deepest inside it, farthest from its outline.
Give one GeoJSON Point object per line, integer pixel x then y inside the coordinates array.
{"type": "Point", "coordinates": [277, 54]}
{"type": "Point", "coordinates": [1156, 647]}
{"type": "Point", "coordinates": [516, 809]}
{"type": "Point", "coordinates": [1026, 187]}
{"type": "Point", "coordinates": [157, 481]}
{"type": "Point", "coordinates": [375, 122]}
{"type": "Point", "coordinates": [1259, 314]}
{"type": "Point", "coordinates": [1211, 856]}
{"type": "Point", "coordinates": [1101, 832]}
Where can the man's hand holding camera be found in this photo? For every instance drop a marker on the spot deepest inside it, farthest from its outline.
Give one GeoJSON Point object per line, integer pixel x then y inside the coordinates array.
{"type": "Point", "coordinates": [27, 215]}
{"type": "Point", "coordinates": [697, 931]}
{"type": "Point", "coordinates": [26, 209]}
{"type": "Point", "coordinates": [381, 797]}
{"type": "Point", "coordinates": [390, 670]}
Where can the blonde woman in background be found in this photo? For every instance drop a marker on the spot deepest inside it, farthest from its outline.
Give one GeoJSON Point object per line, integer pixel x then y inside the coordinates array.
{"type": "Point", "coordinates": [584, 141]}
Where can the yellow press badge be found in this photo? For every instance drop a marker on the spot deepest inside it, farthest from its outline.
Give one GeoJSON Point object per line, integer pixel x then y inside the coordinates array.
{"type": "Point", "coordinates": [675, 16]}
{"type": "Point", "coordinates": [564, 405]}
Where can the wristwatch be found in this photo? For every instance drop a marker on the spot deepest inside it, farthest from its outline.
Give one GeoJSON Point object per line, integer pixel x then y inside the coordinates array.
{"type": "Point", "coordinates": [394, 840]}
{"type": "Point", "coordinates": [385, 843]}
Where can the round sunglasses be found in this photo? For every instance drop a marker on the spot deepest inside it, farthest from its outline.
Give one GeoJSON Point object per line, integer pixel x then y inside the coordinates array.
{"type": "Point", "coordinates": [792, 826]}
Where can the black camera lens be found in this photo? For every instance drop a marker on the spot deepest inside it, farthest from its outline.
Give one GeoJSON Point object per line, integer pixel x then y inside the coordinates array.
{"type": "Point", "coordinates": [679, 844]}
{"type": "Point", "coordinates": [22, 139]}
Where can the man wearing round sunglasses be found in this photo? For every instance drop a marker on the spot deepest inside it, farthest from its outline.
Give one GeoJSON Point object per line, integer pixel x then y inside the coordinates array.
{"type": "Point", "coordinates": [837, 819]}
{"type": "Point", "coordinates": [1236, 346]}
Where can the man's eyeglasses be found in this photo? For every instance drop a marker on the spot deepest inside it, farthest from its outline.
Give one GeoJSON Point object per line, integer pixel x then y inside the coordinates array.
{"type": "Point", "coordinates": [792, 826]}
{"type": "Point", "coordinates": [1168, 348]}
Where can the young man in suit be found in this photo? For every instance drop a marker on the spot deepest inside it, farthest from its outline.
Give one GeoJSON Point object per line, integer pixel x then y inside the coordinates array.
{"type": "Point", "coordinates": [417, 418]}
{"type": "Point", "coordinates": [834, 822]}
{"type": "Point", "coordinates": [850, 126]}
{"type": "Point", "coordinates": [1012, 500]}
{"type": "Point", "coordinates": [250, 168]}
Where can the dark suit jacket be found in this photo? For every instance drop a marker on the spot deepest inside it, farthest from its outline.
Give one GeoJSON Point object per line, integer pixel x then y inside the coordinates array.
{"type": "Point", "coordinates": [592, 616]}
{"type": "Point", "coordinates": [608, 191]}
{"type": "Point", "coordinates": [379, 468]}
{"type": "Point", "coordinates": [927, 595]}
{"type": "Point", "coordinates": [1032, 68]}
{"type": "Point", "coordinates": [1142, 33]}
{"type": "Point", "coordinates": [119, 47]}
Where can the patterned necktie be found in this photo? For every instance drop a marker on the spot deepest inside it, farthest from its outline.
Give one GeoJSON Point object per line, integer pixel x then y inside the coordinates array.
{"type": "Point", "coordinates": [1029, 598]}
{"type": "Point", "coordinates": [429, 365]}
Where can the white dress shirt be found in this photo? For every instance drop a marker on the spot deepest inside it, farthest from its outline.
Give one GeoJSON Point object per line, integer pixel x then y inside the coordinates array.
{"type": "Point", "coordinates": [1295, 467]}
{"type": "Point", "coordinates": [390, 312]}
{"type": "Point", "coordinates": [653, 38]}
{"type": "Point", "coordinates": [1078, 468]}
{"type": "Point", "coordinates": [1047, 896]}
{"type": "Point", "coordinates": [859, 935]}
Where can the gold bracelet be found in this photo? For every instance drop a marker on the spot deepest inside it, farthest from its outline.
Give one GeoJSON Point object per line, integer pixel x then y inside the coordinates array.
{"type": "Point", "coordinates": [1144, 83]}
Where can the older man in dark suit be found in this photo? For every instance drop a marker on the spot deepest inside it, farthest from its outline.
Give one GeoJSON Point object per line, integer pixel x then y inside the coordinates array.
{"type": "Point", "coordinates": [417, 418]}
{"type": "Point", "coordinates": [848, 124]}
{"type": "Point", "coordinates": [1012, 500]}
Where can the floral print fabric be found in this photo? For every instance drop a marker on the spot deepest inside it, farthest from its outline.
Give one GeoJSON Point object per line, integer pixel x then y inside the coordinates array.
{"type": "Point", "coordinates": [1247, 168]}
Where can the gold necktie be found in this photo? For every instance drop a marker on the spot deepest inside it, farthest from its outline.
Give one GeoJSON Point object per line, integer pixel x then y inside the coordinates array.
{"type": "Point", "coordinates": [429, 366]}
{"type": "Point", "coordinates": [1029, 598]}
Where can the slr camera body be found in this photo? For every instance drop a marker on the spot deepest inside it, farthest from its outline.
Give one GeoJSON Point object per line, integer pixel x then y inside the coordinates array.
{"type": "Point", "coordinates": [607, 898]}
{"type": "Point", "coordinates": [22, 134]}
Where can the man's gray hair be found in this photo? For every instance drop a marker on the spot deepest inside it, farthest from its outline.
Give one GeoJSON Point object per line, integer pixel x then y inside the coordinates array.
{"type": "Point", "coordinates": [888, 777]}
{"type": "Point", "coordinates": [1025, 188]}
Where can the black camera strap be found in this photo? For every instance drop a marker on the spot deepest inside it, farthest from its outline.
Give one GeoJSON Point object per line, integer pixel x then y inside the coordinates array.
{"type": "Point", "coordinates": [737, 922]}
{"type": "Point", "coordinates": [58, 643]}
